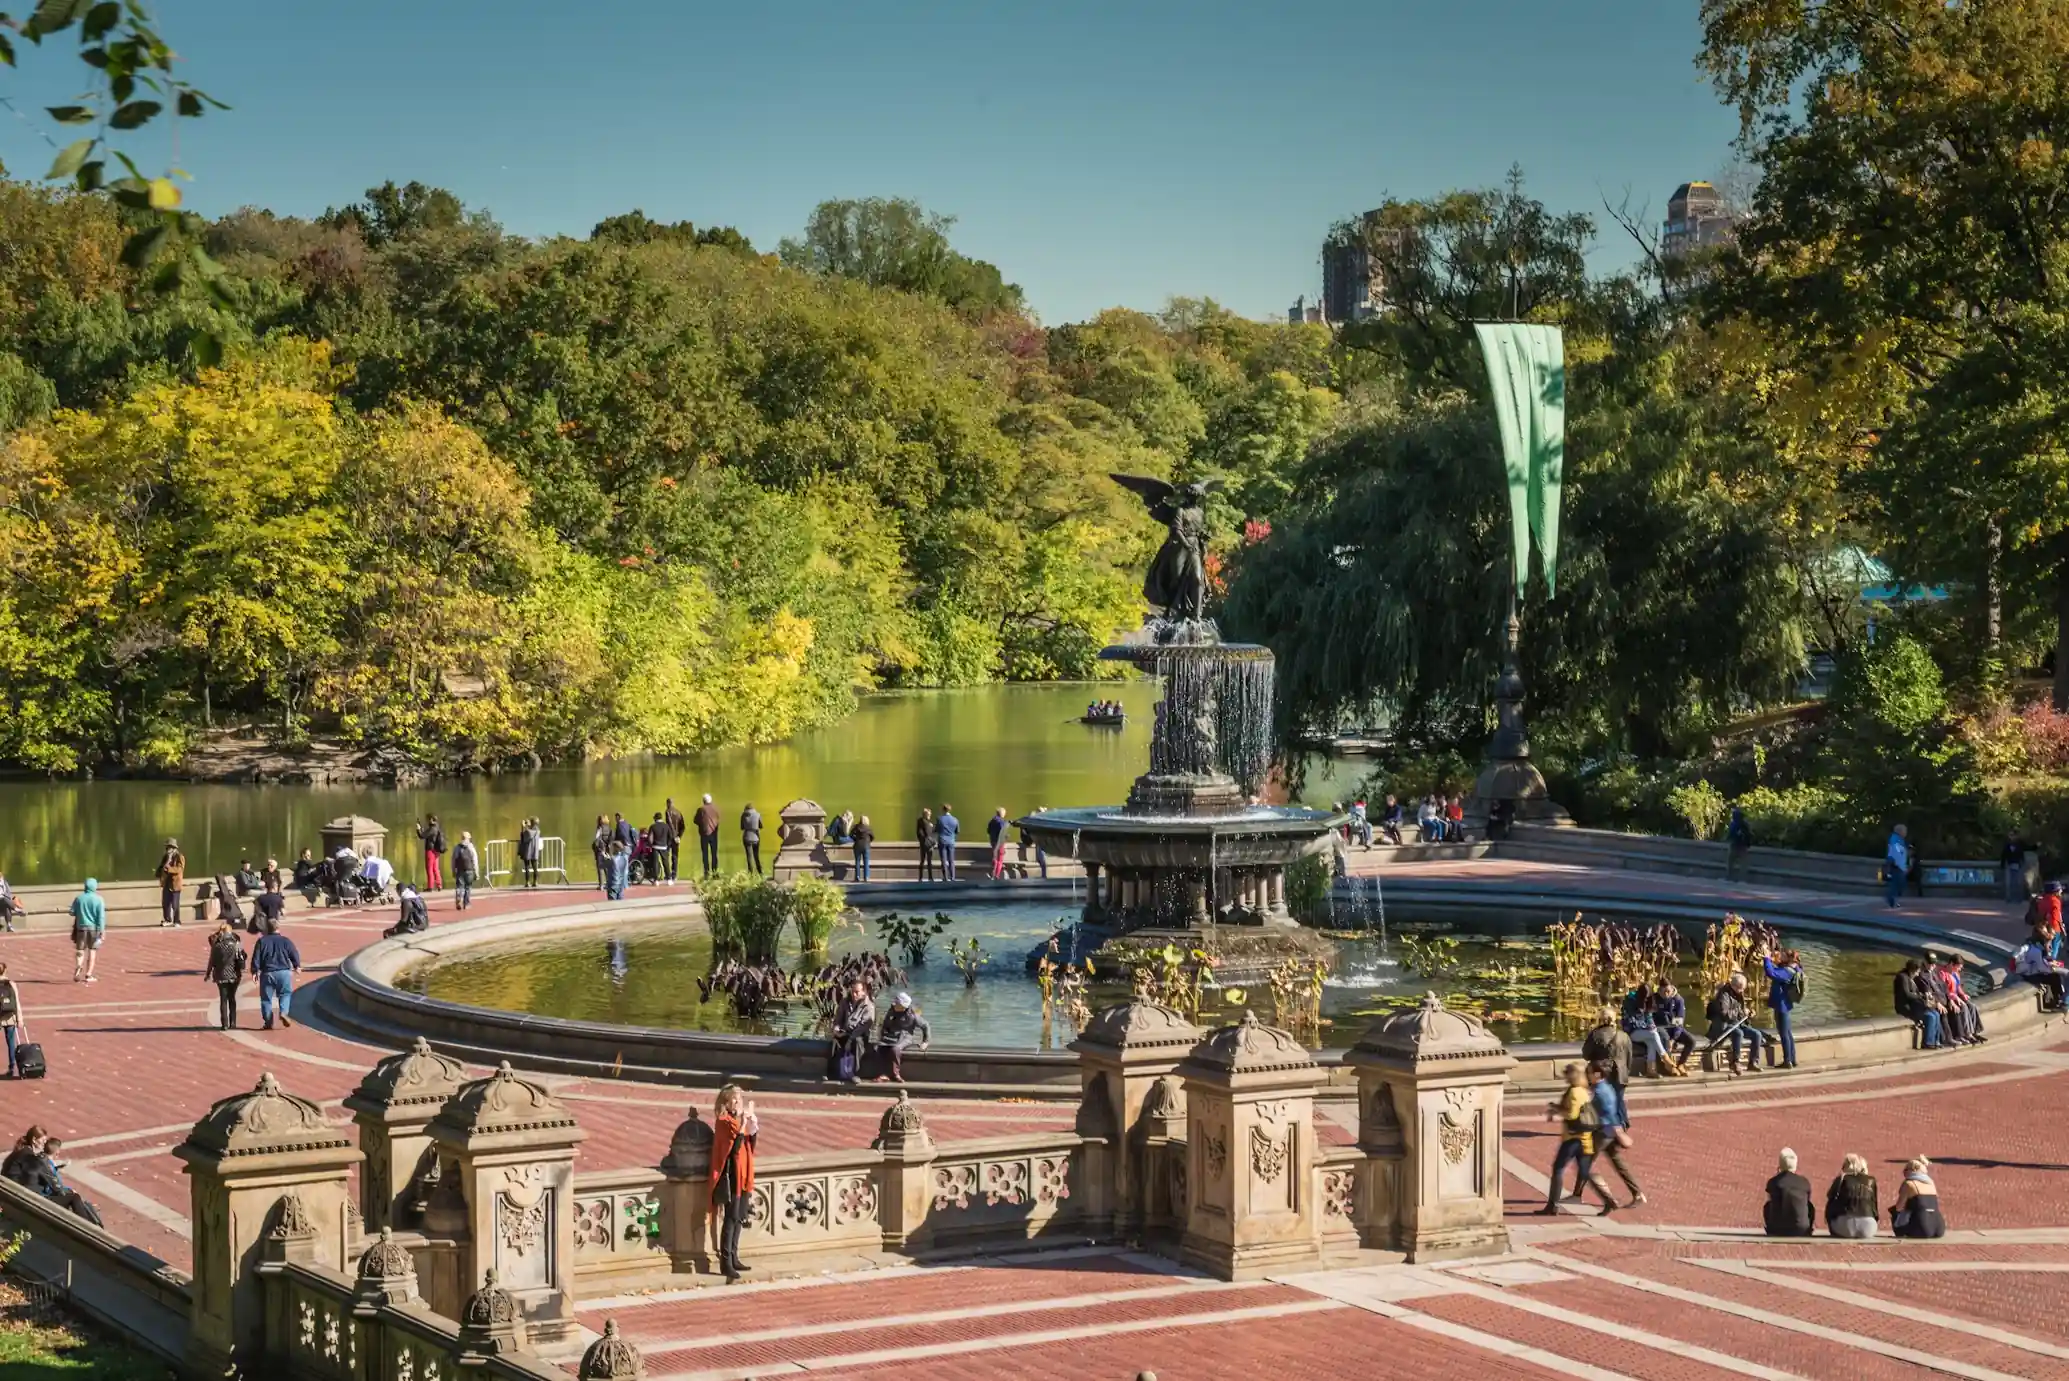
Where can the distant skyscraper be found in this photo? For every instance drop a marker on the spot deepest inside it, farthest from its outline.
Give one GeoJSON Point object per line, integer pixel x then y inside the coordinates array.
{"type": "Point", "coordinates": [1304, 312]}
{"type": "Point", "coordinates": [1353, 287]}
{"type": "Point", "coordinates": [1697, 218]}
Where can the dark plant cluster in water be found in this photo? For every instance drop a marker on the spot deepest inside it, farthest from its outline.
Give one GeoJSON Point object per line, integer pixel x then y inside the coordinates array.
{"type": "Point", "coordinates": [753, 989]}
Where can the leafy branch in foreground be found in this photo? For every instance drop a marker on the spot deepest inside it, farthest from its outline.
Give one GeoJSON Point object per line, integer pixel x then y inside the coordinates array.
{"type": "Point", "coordinates": [134, 71]}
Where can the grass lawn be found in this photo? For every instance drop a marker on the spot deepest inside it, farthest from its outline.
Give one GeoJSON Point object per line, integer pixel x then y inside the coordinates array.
{"type": "Point", "coordinates": [34, 1351]}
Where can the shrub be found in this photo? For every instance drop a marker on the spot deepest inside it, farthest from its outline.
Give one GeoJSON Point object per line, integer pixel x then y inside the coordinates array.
{"type": "Point", "coordinates": [1308, 881]}
{"type": "Point", "coordinates": [1805, 817]}
{"type": "Point", "coordinates": [1702, 806]}
{"type": "Point", "coordinates": [1891, 751]}
{"type": "Point", "coordinates": [816, 909]}
{"type": "Point", "coordinates": [725, 901]}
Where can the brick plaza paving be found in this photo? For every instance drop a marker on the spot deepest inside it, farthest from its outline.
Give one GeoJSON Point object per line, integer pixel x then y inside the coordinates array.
{"type": "Point", "coordinates": [1678, 1288]}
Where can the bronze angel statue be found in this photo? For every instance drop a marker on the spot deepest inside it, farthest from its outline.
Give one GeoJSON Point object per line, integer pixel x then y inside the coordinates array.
{"type": "Point", "coordinates": [1177, 580]}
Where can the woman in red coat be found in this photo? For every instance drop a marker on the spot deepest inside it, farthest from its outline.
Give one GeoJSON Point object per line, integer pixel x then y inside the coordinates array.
{"type": "Point", "coordinates": [734, 1128]}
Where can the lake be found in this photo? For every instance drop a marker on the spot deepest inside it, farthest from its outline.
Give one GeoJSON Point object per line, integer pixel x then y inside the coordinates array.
{"type": "Point", "coordinates": [1017, 746]}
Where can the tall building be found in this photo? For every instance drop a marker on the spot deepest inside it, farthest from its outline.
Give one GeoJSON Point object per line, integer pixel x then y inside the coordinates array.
{"type": "Point", "coordinates": [1353, 287]}
{"type": "Point", "coordinates": [1697, 218]}
{"type": "Point", "coordinates": [1304, 312]}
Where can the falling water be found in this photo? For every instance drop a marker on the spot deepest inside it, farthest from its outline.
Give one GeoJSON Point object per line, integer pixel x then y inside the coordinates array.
{"type": "Point", "coordinates": [1243, 720]}
{"type": "Point", "coordinates": [1379, 901]}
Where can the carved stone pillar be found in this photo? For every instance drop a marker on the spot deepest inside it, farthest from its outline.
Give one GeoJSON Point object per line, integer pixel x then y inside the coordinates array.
{"type": "Point", "coordinates": [904, 1194]}
{"type": "Point", "coordinates": [1430, 1089]}
{"type": "Point", "coordinates": [267, 1175]}
{"type": "Point", "coordinates": [1123, 1054]}
{"type": "Point", "coordinates": [506, 1147]}
{"type": "Point", "coordinates": [686, 1197]}
{"type": "Point", "coordinates": [1250, 1133]}
{"type": "Point", "coordinates": [393, 1108]}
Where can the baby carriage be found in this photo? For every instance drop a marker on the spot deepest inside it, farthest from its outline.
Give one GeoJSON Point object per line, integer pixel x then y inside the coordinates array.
{"type": "Point", "coordinates": [338, 878]}
{"type": "Point", "coordinates": [375, 880]}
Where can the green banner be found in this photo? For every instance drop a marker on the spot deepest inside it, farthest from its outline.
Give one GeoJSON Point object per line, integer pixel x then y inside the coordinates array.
{"type": "Point", "coordinates": [1526, 366]}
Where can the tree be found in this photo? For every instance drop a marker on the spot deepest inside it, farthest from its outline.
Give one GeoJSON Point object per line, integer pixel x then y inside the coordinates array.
{"type": "Point", "coordinates": [634, 228]}
{"type": "Point", "coordinates": [895, 243]}
{"type": "Point", "coordinates": [1383, 579]}
{"type": "Point", "coordinates": [391, 212]}
{"type": "Point", "coordinates": [133, 79]}
{"type": "Point", "coordinates": [1891, 751]}
{"type": "Point", "coordinates": [1909, 171]}
{"type": "Point", "coordinates": [1482, 255]}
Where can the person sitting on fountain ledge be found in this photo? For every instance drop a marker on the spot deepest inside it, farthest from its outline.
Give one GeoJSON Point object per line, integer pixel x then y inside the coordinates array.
{"type": "Point", "coordinates": [852, 1018]}
{"type": "Point", "coordinates": [903, 1029]}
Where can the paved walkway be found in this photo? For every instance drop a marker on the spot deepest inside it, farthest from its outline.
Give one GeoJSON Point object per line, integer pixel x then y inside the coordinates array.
{"type": "Point", "coordinates": [135, 1059]}
{"type": "Point", "coordinates": [1675, 1289]}
{"type": "Point", "coordinates": [1678, 1290]}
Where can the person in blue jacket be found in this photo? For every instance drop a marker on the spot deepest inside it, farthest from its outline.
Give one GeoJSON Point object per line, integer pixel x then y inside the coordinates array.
{"type": "Point", "coordinates": [946, 829]}
{"type": "Point", "coordinates": [1784, 990]}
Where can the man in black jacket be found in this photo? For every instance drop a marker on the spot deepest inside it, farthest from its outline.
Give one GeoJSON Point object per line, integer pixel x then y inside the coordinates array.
{"type": "Point", "coordinates": [663, 838]}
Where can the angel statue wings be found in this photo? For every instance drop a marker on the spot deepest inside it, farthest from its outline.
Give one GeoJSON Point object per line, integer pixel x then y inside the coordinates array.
{"type": "Point", "coordinates": [1177, 580]}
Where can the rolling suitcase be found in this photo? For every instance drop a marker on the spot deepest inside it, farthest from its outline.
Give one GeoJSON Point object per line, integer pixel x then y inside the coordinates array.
{"type": "Point", "coordinates": [28, 1061]}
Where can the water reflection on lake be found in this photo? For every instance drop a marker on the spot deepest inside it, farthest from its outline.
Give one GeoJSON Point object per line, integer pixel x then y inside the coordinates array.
{"type": "Point", "coordinates": [989, 746]}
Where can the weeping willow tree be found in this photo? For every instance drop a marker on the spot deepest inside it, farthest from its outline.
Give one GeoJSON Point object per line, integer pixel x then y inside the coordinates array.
{"type": "Point", "coordinates": [1386, 588]}
{"type": "Point", "coordinates": [1382, 584]}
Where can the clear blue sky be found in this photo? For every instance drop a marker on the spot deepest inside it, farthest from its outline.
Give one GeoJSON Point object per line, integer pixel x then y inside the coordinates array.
{"type": "Point", "coordinates": [1101, 153]}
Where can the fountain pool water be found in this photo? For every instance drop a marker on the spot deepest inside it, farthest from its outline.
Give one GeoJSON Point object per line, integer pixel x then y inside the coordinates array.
{"type": "Point", "coordinates": [645, 975]}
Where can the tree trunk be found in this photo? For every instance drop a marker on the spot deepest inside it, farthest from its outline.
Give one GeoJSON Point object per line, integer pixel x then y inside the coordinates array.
{"type": "Point", "coordinates": [1993, 587]}
{"type": "Point", "coordinates": [2061, 693]}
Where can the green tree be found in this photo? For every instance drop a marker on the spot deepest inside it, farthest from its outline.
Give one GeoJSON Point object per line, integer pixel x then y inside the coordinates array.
{"type": "Point", "coordinates": [1908, 153]}
{"type": "Point", "coordinates": [1891, 751]}
{"type": "Point", "coordinates": [390, 212]}
{"type": "Point", "coordinates": [896, 243]}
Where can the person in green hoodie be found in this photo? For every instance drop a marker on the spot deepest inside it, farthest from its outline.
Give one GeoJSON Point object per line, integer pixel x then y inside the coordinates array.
{"type": "Point", "coordinates": [89, 926]}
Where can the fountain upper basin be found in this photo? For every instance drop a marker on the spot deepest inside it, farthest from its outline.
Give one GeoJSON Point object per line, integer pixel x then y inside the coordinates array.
{"type": "Point", "coordinates": [1254, 836]}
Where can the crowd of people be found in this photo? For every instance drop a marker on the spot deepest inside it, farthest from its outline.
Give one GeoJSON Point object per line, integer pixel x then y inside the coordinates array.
{"type": "Point", "coordinates": [1439, 819]}
{"type": "Point", "coordinates": [1594, 1123]}
{"type": "Point", "coordinates": [1929, 994]}
{"type": "Point", "coordinates": [1105, 712]}
{"type": "Point", "coordinates": [1649, 1029]}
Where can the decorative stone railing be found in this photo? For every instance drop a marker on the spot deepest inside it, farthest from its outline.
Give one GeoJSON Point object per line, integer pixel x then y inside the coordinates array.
{"type": "Point", "coordinates": [1337, 1190]}
{"type": "Point", "coordinates": [1004, 1188]}
{"type": "Point", "coordinates": [617, 1226]}
{"type": "Point", "coordinates": [815, 1205]}
{"type": "Point", "coordinates": [318, 1329]}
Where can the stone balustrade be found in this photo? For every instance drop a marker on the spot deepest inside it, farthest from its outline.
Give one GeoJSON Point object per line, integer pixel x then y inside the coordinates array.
{"type": "Point", "coordinates": [617, 1227]}
{"type": "Point", "coordinates": [321, 1325]}
{"type": "Point", "coordinates": [474, 1238]}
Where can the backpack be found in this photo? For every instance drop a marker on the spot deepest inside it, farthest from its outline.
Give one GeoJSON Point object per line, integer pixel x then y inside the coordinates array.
{"type": "Point", "coordinates": [1797, 987]}
{"type": "Point", "coordinates": [10, 1002]}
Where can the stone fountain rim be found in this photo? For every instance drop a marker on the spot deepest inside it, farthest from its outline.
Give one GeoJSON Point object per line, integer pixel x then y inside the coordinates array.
{"type": "Point", "coordinates": [361, 1003]}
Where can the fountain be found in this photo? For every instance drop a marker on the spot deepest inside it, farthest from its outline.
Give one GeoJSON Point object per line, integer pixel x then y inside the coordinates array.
{"type": "Point", "coordinates": [1191, 850]}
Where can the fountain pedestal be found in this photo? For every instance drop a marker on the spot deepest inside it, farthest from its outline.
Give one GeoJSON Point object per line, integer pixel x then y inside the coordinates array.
{"type": "Point", "coordinates": [1510, 783]}
{"type": "Point", "coordinates": [1189, 850]}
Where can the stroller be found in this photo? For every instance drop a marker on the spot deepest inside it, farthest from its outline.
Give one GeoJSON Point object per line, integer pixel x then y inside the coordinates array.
{"type": "Point", "coordinates": [338, 878]}
{"type": "Point", "coordinates": [375, 880]}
